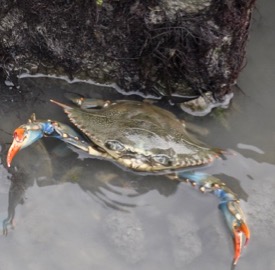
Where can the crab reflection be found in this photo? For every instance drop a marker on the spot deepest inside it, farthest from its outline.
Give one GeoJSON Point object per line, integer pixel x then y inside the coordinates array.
{"type": "Point", "coordinates": [107, 183]}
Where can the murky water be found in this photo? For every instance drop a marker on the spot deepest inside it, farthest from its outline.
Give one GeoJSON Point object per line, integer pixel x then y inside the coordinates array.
{"type": "Point", "coordinates": [77, 213]}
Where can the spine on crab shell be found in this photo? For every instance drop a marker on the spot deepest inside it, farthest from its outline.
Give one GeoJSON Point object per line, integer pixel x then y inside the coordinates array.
{"type": "Point", "coordinates": [220, 152]}
{"type": "Point", "coordinates": [64, 106]}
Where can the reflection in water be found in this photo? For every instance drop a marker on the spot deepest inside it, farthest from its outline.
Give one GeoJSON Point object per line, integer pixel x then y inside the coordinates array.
{"type": "Point", "coordinates": [16, 196]}
{"type": "Point", "coordinates": [58, 165]}
{"type": "Point", "coordinates": [122, 219]}
{"type": "Point", "coordinates": [110, 187]}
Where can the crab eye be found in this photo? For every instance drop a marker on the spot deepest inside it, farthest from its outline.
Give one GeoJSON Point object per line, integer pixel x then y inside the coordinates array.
{"type": "Point", "coordinates": [162, 159]}
{"type": "Point", "coordinates": [115, 146]}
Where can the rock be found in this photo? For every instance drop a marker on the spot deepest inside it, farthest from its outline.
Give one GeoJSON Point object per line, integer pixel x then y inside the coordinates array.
{"type": "Point", "coordinates": [174, 47]}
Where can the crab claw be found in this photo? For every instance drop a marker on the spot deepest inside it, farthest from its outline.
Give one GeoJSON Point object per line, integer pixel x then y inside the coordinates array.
{"type": "Point", "coordinates": [236, 222]}
{"type": "Point", "coordinates": [23, 136]}
{"type": "Point", "coordinates": [229, 205]}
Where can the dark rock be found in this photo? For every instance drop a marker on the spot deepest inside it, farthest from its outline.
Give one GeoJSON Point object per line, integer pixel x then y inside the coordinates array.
{"type": "Point", "coordinates": [164, 47]}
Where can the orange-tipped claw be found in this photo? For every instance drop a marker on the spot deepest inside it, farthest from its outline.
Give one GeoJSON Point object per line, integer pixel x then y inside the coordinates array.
{"type": "Point", "coordinates": [235, 220]}
{"type": "Point", "coordinates": [237, 246]}
{"type": "Point", "coordinates": [238, 233]}
{"type": "Point", "coordinates": [23, 136]}
{"type": "Point", "coordinates": [245, 230]}
{"type": "Point", "coordinates": [19, 136]}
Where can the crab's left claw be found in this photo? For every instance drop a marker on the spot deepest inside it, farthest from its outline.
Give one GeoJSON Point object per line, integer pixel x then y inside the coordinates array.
{"type": "Point", "coordinates": [235, 220]}
{"type": "Point", "coordinates": [23, 136]}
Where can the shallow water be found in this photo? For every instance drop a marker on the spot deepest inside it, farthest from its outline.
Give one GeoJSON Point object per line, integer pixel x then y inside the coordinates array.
{"type": "Point", "coordinates": [74, 212]}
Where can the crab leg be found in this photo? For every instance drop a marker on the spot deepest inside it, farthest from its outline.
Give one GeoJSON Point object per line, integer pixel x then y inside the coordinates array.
{"type": "Point", "coordinates": [23, 136]}
{"type": "Point", "coordinates": [234, 216]}
{"type": "Point", "coordinates": [228, 204]}
{"type": "Point", "coordinates": [27, 134]}
{"type": "Point", "coordinates": [85, 103]}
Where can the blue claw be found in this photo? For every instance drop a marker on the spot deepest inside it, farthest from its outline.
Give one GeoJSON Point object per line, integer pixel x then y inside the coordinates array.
{"type": "Point", "coordinates": [229, 205]}
{"type": "Point", "coordinates": [27, 134]}
{"type": "Point", "coordinates": [205, 182]}
{"type": "Point", "coordinates": [24, 136]}
{"type": "Point", "coordinates": [235, 220]}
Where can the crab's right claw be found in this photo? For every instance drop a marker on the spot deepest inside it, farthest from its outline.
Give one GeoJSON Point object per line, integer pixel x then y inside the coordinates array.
{"type": "Point", "coordinates": [236, 222]}
{"type": "Point", "coordinates": [23, 136]}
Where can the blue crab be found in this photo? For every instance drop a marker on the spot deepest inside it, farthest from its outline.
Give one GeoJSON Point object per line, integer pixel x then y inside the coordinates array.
{"type": "Point", "coordinates": [143, 138]}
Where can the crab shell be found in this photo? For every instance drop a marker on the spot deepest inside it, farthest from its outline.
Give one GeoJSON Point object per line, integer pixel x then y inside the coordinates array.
{"type": "Point", "coordinates": [139, 136]}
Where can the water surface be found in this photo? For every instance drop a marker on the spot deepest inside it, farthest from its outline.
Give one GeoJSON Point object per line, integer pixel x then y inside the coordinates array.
{"type": "Point", "coordinates": [75, 212]}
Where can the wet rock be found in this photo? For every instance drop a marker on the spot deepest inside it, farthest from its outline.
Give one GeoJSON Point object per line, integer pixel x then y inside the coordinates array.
{"type": "Point", "coordinates": [173, 47]}
{"type": "Point", "coordinates": [204, 104]}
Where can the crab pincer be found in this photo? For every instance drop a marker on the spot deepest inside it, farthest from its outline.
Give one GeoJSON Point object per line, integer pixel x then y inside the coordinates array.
{"type": "Point", "coordinates": [235, 220]}
{"type": "Point", "coordinates": [23, 136]}
{"type": "Point", "coordinates": [229, 205]}
{"type": "Point", "coordinates": [27, 134]}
